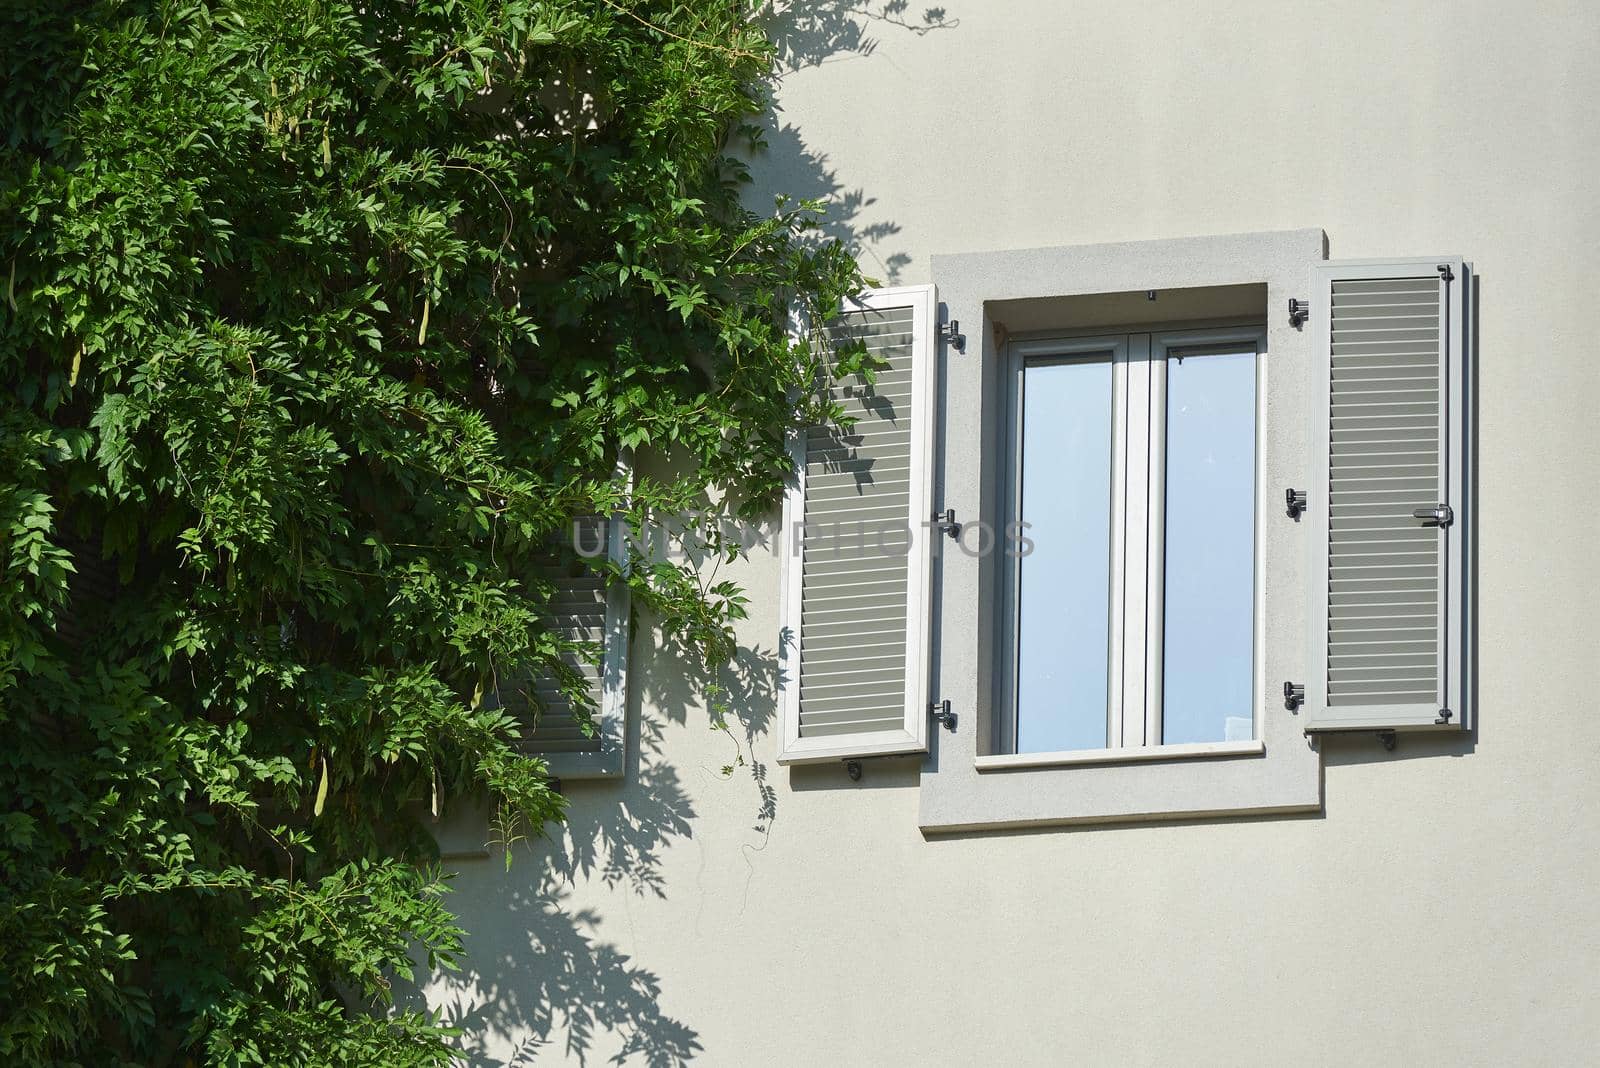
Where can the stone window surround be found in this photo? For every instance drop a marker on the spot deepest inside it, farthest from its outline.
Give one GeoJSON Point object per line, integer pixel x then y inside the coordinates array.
{"type": "Point", "coordinates": [964, 786]}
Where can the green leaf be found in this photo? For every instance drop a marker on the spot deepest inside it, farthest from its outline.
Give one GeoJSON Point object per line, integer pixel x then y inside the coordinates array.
{"type": "Point", "coordinates": [322, 790]}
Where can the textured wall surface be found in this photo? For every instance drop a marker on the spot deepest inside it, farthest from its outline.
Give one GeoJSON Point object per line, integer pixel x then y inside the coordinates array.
{"type": "Point", "coordinates": [1436, 911]}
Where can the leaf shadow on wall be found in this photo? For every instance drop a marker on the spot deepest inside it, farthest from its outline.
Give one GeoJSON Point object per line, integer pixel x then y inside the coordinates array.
{"type": "Point", "coordinates": [540, 981]}
{"type": "Point", "coordinates": [807, 175]}
{"type": "Point", "coordinates": [539, 978]}
{"type": "Point", "coordinates": [810, 34]}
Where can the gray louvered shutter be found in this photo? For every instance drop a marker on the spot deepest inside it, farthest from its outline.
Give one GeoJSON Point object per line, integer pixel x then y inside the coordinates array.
{"type": "Point", "coordinates": [586, 609]}
{"type": "Point", "coordinates": [1390, 601]}
{"type": "Point", "coordinates": [856, 547]}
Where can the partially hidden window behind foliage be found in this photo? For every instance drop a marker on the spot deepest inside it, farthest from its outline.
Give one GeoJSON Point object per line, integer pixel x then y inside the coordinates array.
{"type": "Point", "coordinates": [318, 320]}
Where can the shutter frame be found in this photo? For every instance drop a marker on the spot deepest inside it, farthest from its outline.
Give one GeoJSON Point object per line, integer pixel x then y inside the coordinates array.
{"type": "Point", "coordinates": [1454, 648]}
{"type": "Point", "coordinates": [910, 733]}
{"type": "Point", "coordinates": [607, 759]}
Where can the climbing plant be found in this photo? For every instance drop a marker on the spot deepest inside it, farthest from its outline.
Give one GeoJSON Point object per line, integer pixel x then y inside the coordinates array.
{"type": "Point", "coordinates": [320, 320]}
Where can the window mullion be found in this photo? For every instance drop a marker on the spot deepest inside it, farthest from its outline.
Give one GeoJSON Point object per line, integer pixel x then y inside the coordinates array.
{"type": "Point", "coordinates": [1155, 594]}
{"type": "Point", "coordinates": [1117, 598]}
{"type": "Point", "coordinates": [1136, 544]}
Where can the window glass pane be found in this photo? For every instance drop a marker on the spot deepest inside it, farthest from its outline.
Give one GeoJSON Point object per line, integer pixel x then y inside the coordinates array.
{"type": "Point", "coordinates": [1063, 619]}
{"type": "Point", "coordinates": [1210, 548]}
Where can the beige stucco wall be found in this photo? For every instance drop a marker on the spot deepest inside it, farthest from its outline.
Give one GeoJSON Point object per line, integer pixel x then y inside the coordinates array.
{"type": "Point", "coordinates": [1439, 911]}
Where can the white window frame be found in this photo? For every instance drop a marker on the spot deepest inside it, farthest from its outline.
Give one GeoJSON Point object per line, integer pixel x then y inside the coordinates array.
{"type": "Point", "coordinates": [912, 735]}
{"type": "Point", "coordinates": [1136, 598]}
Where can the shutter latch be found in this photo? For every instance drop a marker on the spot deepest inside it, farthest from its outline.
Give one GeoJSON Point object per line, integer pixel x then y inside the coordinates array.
{"type": "Point", "coordinates": [1441, 516]}
{"type": "Point", "coordinates": [1299, 311]}
{"type": "Point", "coordinates": [940, 711]}
{"type": "Point", "coordinates": [950, 333]}
{"type": "Point", "coordinates": [1294, 695]}
{"type": "Point", "coordinates": [1295, 503]}
{"type": "Point", "coordinates": [945, 523]}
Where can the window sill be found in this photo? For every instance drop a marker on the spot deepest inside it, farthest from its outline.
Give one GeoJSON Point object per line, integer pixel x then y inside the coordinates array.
{"type": "Point", "coordinates": [1142, 754]}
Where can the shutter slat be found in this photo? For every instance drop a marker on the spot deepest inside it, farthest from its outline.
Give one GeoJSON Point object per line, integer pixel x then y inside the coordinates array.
{"type": "Point", "coordinates": [838, 589]}
{"type": "Point", "coordinates": [876, 639]}
{"type": "Point", "coordinates": [887, 719]}
{"type": "Point", "coordinates": [853, 637]}
{"type": "Point", "coordinates": [873, 509]}
{"type": "Point", "coordinates": [879, 563]}
{"type": "Point", "coordinates": [1367, 361]}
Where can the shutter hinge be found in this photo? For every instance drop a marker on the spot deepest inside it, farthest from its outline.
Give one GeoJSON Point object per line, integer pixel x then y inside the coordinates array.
{"type": "Point", "coordinates": [1444, 717]}
{"type": "Point", "coordinates": [940, 711]}
{"type": "Point", "coordinates": [1445, 273]}
{"type": "Point", "coordinates": [1442, 516]}
{"type": "Point", "coordinates": [1299, 311]}
{"type": "Point", "coordinates": [950, 334]}
{"type": "Point", "coordinates": [1294, 695]}
{"type": "Point", "coordinates": [945, 523]}
{"type": "Point", "coordinates": [1295, 502]}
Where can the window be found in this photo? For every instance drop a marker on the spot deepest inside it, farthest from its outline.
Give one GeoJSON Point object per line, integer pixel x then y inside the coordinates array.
{"type": "Point", "coordinates": [587, 608]}
{"type": "Point", "coordinates": [1130, 608]}
{"type": "Point", "coordinates": [1053, 551]}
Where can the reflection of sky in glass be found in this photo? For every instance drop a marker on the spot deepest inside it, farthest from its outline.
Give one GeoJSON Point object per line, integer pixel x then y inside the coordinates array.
{"type": "Point", "coordinates": [1210, 548]}
{"type": "Point", "coordinates": [1064, 586]}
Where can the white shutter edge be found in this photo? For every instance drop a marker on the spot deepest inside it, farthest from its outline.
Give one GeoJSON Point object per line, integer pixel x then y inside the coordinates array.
{"type": "Point", "coordinates": [912, 737]}
{"type": "Point", "coordinates": [611, 717]}
{"type": "Point", "coordinates": [1456, 431]}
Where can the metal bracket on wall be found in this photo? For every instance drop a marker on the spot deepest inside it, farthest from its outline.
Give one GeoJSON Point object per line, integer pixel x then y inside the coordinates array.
{"type": "Point", "coordinates": [950, 334]}
{"type": "Point", "coordinates": [1295, 502]}
{"type": "Point", "coordinates": [1299, 312]}
{"type": "Point", "coordinates": [1294, 695]}
{"type": "Point", "coordinates": [945, 523]}
{"type": "Point", "coordinates": [940, 710]}
{"type": "Point", "coordinates": [1444, 717]}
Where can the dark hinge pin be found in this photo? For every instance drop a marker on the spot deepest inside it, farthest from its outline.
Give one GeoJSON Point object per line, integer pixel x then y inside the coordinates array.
{"type": "Point", "coordinates": [1295, 502]}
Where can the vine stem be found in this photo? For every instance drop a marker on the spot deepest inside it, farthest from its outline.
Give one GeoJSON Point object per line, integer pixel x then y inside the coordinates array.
{"type": "Point", "coordinates": [738, 53]}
